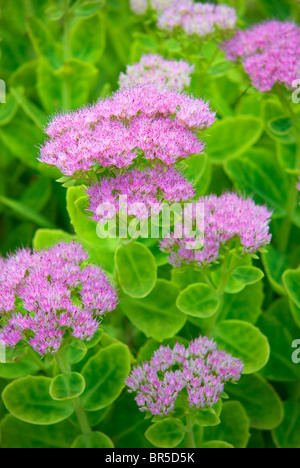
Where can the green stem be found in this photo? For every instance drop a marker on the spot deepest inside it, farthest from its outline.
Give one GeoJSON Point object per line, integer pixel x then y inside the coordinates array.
{"type": "Point", "coordinates": [191, 443]}
{"type": "Point", "coordinates": [64, 366]}
{"type": "Point", "coordinates": [82, 417]}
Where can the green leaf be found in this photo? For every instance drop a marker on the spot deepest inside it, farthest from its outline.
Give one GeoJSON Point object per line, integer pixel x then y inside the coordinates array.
{"type": "Point", "coordinates": [243, 341]}
{"type": "Point", "coordinates": [137, 270]}
{"type": "Point", "coordinates": [245, 305]}
{"type": "Point", "coordinates": [165, 434]}
{"type": "Point", "coordinates": [29, 400]}
{"type": "Point", "coordinates": [232, 137]}
{"type": "Point", "coordinates": [275, 264]}
{"type": "Point", "coordinates": [291, 280]}
{"type": "Point", "coordinates": [31, 110]}
{"type": "Point", "coordinates": [76, 351]}
{"type": "Point", "coordinates": [87, 9]}
{"type": "Point", "coordinates": [208, 417]}
{"type": "Point", "coordinates": [44, 43]}
{"type": "Point", "coordinates": [67, 387]}
{"type": "Point", "coordinates": [234, 427]}
{"type": "Point", "coordinates": [259, 173]}
{"type": "Point", "coordinates": [17, 434]}
{"type": "Point", "coordinates": [287, 435]}
{"type": "Point", "coordinates": [198, 169]}
{"type": "Point", "coordinates": [247, 275]}
{"type": "Point", "coordinates": [45, 238]}
{"type": "Point", "coordinates": [281, 331]}
{"type": "Point", "coordinates": [198, 300]}
{"type": "Point", "coordinates": [89, 47]}
{"type": "Point", "coordinates": [92, 441]}
{"type": "Point", "coordinates": [20, 368]}
{"type": "Point", "coordinates": [131, 424]}
{"type": "Point", "coordinates": [258, 397]}
{"type": "Point", "coordinates": [287, 155]}
{"type": "Point", "coordinates": [8, 110]}
{"type": "Point", "coordinates": [280, 125]}
{"type": "Point", "coordinates": [104, 375]}
{"type": "Point", "coordinates": [213, 444]}
{"type": "Point", "coordinates": [156, 315]}
{"type": "Point", "coordinates": [25, 212]}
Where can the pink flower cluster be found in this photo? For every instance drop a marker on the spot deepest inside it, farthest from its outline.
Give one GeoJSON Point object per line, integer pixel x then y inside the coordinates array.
{"type": "Point", "coordinates": [226, 217]}
{"type": "Point", "coordinates": [201, 19]}
{"type": "Point", "coordinates": [154, 69]}
{"type": "Point", "coordinates": [200, 370]}
{"type": "Point", "coordinates": [144, 192]}
{"type": "Point", "coordinates": [46, 293]}
{"type": "Point", "coordinates": [269, 52]}
{"type": "Point", "coordinates": [161, 123]}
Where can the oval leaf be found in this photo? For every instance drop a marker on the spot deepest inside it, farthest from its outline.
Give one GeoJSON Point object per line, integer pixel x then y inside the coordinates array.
{"type": "Point", "coordinates": [165, 434]}
{"type": "Point", "coordinates": [243, 341]}
{"type": "Point", "coordinates": [198, 300]}
{"type": "Point", "coordinates": [104, 375]}
{"type": "Point", "coordinates": [92, 441]}
{"type": "Point", "coordinates": [137, 270]}
{"type": "Point", "coordinates": [29, 400]}
{"type": "Point", "coordinates": [67, 387]}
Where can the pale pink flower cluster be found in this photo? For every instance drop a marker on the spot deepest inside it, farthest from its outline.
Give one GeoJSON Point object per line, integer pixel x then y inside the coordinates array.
{"type": "Point", "coordinates": [154, 69]}
{"type": "Point", "coordinates": [44, 294]}
{"type": "Point", "coordinates": [226, 217]}
{"type": "Point", "coordinates": [199, 371]}
{"type": "Point", "coordinates": [269, 52]}
{"type": "Point", "coordinates": [201, 19]}
{"type": "Point", "coordinates": [145, 193]}
{"type": "Point", "coordinates": [161, 123]}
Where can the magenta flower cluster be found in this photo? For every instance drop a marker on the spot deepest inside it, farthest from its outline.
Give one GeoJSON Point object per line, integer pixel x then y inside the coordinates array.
{"type": "Point", "coordinates": [144, 191]}
{"type": "Point", "coordinates": [225, 218]}
{"type": "Point", "coordinates": [44, 294]}
{"type": "Point", "coordinates": [201, 19]}
{"type": "Point", "coordinates": [154, 69]}
{"type": "Point", "coordinates": [200, 371]}
{"type": "Point", "coordinates": [160, 123]}
{"type": "Point", "coordinates": [269, 52]}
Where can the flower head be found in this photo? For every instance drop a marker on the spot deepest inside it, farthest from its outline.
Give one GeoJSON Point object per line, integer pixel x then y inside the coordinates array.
{"type": "Point", "coordinates": [154, 69]}
{"type": "Point", "coordinates": [159, 122]}
{"type": "Point", "coordinates": [202, 19]}
{"type": "Point", "coordinates": [46, 293]}
{"type": "Point", "coordinates": [145, 192]}
{"type": "Point", "coordinates": [200, 370]}
{"type": "Point", "coordinates": [226, 217]}
{"type": "Point", "coordinates": [269, 52]}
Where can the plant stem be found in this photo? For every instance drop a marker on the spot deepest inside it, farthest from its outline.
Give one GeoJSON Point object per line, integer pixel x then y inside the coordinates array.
{"type": "Point", "coordinates": [190, 432]}
{"type": "Point", "coordinates": [82, 417]}
{"type": "Point", "coordinates": [65, 368]}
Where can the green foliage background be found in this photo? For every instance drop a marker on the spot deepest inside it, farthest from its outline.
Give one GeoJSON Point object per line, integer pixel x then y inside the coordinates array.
{"type": "Point", "coordinates": [50, 63]}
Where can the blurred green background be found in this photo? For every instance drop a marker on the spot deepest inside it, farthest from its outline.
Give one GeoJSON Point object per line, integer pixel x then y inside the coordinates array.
{"type": "Point", "coordinates": [59, 55]}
